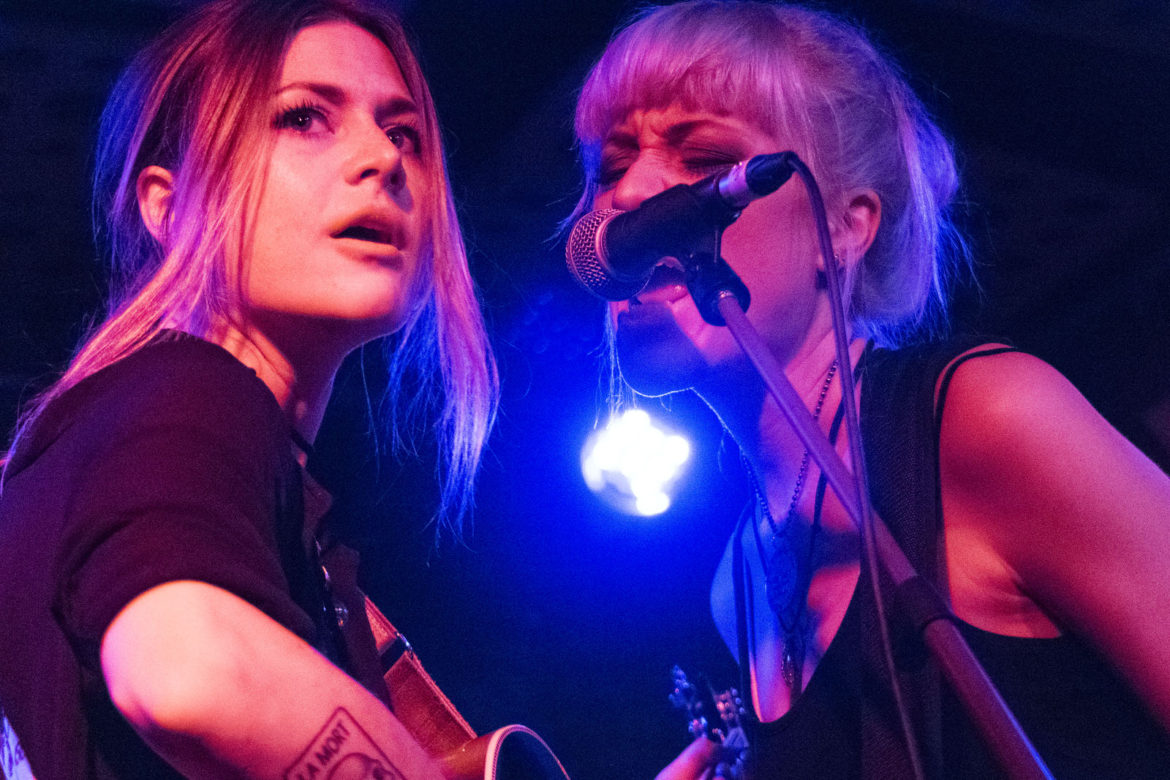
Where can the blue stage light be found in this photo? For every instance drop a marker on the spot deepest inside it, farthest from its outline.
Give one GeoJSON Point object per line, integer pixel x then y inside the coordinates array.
{"type": "Point", "coordinates": [634, 462]}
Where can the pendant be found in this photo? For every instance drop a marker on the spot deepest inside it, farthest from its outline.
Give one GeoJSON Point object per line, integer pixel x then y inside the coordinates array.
{"type": "Point", "coordinates": [780, 581]}
{"type": "Point", "coordinates": [792, 663]}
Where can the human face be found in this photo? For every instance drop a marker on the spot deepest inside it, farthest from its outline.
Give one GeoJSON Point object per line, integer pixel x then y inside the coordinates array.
{"type": "Point", "coordinates": [338, 236]}
{"type": "Point", "coordinates": [662, 341]}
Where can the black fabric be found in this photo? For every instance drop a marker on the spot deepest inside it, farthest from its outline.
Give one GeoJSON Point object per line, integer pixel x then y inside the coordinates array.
{"type": "Point", "coordinates": [174, 463]}
{"type": "Point", "coordinates": [1082, 718]}
{"type": "Point", "coordinates": [899, 433]}
{"type": "Point", "coordinates": [818, 736]}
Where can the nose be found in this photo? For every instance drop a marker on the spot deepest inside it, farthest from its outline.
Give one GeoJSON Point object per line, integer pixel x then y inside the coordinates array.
{"type": "Point", "coordinates": [644, 178]}
{"type": "Point", "coordinates": [375, 156]}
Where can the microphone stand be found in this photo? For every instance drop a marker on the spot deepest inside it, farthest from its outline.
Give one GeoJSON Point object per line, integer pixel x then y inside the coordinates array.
{"type": "Point", "coordinates": [722, 300]}
{"type": "Point", "coordinates": [930, 615]}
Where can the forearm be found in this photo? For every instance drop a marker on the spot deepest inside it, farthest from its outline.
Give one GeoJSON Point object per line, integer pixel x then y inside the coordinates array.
{"type": "Point", "coordinates": [225, 691]}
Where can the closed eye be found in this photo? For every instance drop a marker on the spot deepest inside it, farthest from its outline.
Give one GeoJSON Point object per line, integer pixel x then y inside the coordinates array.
{"type": "Point", "coordinates": [613, 167]}
{"type": "Point", "coordinates": [709, 162]}
{"type": "Point", "coordinates": [608, 177]}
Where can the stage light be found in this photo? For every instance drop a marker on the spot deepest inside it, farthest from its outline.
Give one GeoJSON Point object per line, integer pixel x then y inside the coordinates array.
{"type": "Point", "coordinates": [634, 462]}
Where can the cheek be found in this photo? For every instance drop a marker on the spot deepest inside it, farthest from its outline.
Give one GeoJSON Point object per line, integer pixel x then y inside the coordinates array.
{"type": "Point", "coordinates": [281, 253]}
{"type": "Point", "coordinates": [603, 199]}
{"type": "Point", "coordinates": [281, 222]}
{"type": "Point", "coordinates": [773, 234]}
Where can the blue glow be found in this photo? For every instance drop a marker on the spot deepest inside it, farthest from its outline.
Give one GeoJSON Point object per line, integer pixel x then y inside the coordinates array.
{"type": "Point", "coordinates": [634, 462]}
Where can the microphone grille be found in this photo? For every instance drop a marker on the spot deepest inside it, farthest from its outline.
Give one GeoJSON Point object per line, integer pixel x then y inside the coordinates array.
{"type": "Point", "coordinates": [586, 264]}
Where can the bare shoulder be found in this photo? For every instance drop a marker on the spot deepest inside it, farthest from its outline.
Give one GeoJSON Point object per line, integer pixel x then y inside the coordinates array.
{"type": "Point", "coordinates": [1000, 397]}
{"type": "Point", "coordinates": [1010, 416]}
{"type": "Point", "coordinates": [1051, 496]}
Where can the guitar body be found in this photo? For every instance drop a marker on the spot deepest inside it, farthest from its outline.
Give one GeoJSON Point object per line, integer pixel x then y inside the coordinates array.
{"type": "Point", "coordinates": [511, 753]}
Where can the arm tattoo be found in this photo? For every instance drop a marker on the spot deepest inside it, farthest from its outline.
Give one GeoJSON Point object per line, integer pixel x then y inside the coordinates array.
{"type": "Point", "coordinates": [342, 750]}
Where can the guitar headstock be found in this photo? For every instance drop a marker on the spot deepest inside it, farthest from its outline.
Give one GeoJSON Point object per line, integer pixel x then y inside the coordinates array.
{"type": "Point", "coordinates": [686, 697]}
{"type": "Point", "coordinates": [711, 712]}
{"type": "Point", "coordinates": [726, 707]}
{"type": "Point", "coordinates": [729, 705]}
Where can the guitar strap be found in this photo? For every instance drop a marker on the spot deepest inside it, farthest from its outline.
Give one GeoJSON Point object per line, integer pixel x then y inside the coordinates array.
{"type": "Point", "coordinates": [341, 565]}
{"type": "Point", "coordinates": [415, 698]}
{"type": "Point", "coordinates": [382, 660]}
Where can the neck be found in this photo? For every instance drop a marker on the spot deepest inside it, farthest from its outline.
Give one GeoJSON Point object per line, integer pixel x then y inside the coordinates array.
{"type": "Point", "coordinates": [297, 371]}
{"type": "Point", "coordinates": [769, 445]}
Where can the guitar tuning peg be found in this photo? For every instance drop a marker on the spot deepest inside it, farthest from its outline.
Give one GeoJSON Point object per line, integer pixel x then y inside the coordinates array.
{"type": "Point", "coordinates": [697, 727]}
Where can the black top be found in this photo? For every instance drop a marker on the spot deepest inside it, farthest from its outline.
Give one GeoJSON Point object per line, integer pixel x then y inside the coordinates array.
{"type": "Point", "coordinates": [1082, 718]}
{"type": "Point", "coordinates": [172, 464]}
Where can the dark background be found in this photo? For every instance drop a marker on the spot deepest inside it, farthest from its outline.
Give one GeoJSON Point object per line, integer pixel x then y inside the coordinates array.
{"type": "Point", "coordinates": [557, 612]}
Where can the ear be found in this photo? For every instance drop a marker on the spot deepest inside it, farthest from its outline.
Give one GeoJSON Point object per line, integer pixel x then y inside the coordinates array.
{"type": "Point", "coordinates": [154, 188]}
{"type": "Point", "coordinates": [854, 233]}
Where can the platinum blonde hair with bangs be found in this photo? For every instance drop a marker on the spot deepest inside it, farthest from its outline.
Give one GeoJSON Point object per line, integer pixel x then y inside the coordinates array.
{"type": "Point", "coordinates": [197, 101]}
{"type": "Point", "coordinates": [817, 83]}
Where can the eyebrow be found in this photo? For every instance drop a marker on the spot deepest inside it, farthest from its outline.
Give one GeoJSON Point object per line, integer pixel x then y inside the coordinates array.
{"type": "Point", "coordinates": [675, 134]}
{"type": "Point", "coordinates": [394, 106]}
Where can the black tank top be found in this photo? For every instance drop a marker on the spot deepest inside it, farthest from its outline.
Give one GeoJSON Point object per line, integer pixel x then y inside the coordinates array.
{"type": "Point", "coordinates": [1083, 719]}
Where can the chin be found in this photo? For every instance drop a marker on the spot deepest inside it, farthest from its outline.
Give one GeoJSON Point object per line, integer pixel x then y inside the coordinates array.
{"type": "Point", "coordinates": [349, 327]}
{"type": "Point", "coordinates": [657, 358]}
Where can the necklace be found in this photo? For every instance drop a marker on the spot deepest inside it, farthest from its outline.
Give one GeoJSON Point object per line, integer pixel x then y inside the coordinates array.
{"type": "Point", "coordinates": [786, 578]}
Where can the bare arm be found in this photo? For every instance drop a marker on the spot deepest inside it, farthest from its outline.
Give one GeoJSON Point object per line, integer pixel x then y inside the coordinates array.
{"type": "Point", "coordinates": [1054, 519]}
{"type": "Point", "coordinates": [219, 689]}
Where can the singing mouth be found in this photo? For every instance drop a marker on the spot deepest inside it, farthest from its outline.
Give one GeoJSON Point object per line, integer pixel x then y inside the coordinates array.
{"type": "Point", "coordinates": [366, 234]}
{"type": "Point", "coordinates": [666, 282]}
{"type": "Point", "coordinates": [370, 228]}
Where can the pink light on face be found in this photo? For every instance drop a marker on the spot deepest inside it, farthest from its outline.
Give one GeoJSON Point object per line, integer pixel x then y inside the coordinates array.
{"type": "Point", "coordinates": [338, 232]}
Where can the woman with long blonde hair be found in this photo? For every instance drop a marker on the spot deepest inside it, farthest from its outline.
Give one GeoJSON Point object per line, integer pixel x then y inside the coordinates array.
{"type": "Point", "coordinates": [271, 191]}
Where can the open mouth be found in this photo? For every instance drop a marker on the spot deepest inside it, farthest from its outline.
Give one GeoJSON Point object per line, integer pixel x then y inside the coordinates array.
{"type": "Point", "coordinates": [363, 233]}
{"type": "Point", "coordinates": [668, 273]}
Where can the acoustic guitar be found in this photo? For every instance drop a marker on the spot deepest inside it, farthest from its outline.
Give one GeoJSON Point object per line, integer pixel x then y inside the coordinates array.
{"type": "Point", "coordinates": [509, 753]}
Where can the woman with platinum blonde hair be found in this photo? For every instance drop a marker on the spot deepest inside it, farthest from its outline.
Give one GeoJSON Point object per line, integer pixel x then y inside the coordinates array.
{"type": "Point", "coordinates": [1006, 489]}
{"type": "Point", "coordinates": [271, 191]}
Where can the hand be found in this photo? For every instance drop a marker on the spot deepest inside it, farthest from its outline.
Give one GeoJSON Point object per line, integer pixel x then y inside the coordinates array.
{"type": "Point", "coordinates": [698, 761]}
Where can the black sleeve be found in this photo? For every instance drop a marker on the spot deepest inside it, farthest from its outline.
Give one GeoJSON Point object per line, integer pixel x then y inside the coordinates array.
{"type": "Point", "coordinates": [183, 485]}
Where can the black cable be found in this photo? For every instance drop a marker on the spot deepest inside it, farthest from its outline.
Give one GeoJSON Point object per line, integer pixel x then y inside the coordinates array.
{"type": "Point", "coordinates": [853, 426]}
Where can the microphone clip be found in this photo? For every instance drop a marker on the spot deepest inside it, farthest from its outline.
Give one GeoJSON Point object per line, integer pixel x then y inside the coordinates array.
{"type": "Point", "coordinates": [709, 279]}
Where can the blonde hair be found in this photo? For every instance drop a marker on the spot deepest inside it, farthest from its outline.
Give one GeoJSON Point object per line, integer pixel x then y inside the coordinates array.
{"type": "Point", "coordinates": [817, 82]}
{"type": "Point", "coordinates": [188, 102]}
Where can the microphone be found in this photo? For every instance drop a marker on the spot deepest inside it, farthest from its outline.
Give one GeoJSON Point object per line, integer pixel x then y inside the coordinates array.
{"type": "Point", "coordinates": [612, 253]}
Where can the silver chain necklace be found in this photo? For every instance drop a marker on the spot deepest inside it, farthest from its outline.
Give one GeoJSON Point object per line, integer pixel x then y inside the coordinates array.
{"type": "Point", "coordinates": [786, 577]}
